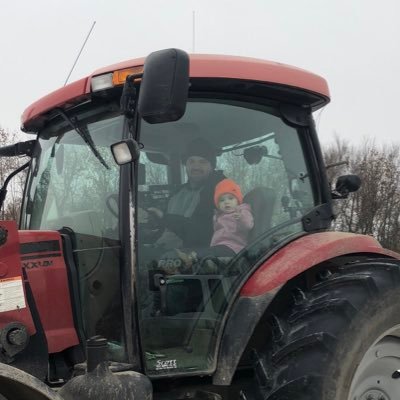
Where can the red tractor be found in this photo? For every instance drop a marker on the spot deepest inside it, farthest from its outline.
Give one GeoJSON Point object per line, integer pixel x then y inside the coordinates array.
{"type": "Point", "coordinates": [106, 279]}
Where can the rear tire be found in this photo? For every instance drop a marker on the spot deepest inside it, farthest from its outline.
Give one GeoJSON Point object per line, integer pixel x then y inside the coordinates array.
{"type": "Point", "coordinates": [338, 340]}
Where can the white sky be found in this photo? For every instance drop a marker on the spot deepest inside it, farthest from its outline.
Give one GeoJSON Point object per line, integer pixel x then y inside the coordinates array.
{"type": "Point", "coordinates": [354, 44]}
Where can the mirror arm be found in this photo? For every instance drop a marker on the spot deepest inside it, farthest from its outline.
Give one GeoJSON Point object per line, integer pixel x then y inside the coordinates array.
{"type": "Point", "coordinates": [129, 96]}
{"type": "Point", "coordinates": [338, 196]}
{"type": "Point", "coordinates": [337, 164]}
{"type": "Point", "coordinates": [18, 149]}
{"type": "Point", "coordinates": [3, 190]}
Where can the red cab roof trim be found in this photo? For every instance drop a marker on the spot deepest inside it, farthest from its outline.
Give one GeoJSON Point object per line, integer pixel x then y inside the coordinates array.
{"type": "Point", "coordinates": [201, 66]}
{"type": "Point", "coordinates": [58, 98]}
{"type": "Point", "coordinates": [214, 66]}
{"type": "Point", "coordinates": [218, 66]}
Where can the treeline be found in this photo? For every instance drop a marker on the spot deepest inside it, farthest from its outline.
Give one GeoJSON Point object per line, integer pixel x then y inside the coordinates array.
{"type": "Point", "coordinates": [12, 206]}
{"type": "Point", "coordinates": [373, 210]}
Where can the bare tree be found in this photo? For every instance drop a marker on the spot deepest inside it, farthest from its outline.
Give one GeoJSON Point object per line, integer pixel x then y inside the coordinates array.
{"type": "Point", "coordinates": [375, 208]}
{"type": "Point", "coordinates": [12, 206]}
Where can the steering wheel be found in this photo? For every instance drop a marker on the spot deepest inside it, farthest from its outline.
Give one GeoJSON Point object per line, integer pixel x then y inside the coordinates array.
{"type": "Point", "coordinates": [151, 229]}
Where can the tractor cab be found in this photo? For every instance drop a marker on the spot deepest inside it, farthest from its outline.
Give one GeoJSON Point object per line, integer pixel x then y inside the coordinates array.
{"type": "Point", "coordinates": [133, 277]}
{"type": "Point", "coordinates": [176, 225]}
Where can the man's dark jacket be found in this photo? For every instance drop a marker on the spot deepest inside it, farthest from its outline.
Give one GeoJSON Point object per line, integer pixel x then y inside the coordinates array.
{"type": "Point", "coordinates": [197, 230]}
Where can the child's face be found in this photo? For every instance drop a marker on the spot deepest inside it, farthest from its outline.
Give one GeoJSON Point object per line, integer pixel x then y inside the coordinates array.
{"type": "Point", "coordinates": [227, 203]}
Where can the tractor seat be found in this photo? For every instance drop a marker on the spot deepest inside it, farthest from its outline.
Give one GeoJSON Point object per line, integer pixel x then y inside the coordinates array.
{"type": "Point", "coordinates": [261, 200]}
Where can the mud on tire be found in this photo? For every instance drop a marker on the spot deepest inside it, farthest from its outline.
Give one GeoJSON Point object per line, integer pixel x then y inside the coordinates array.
{"type": "Point", "coordinates": [338, 340]}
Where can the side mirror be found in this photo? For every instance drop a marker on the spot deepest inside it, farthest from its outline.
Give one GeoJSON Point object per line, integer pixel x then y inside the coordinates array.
{"type": "Point", "coordinates": [347, 184]}
{"type": "Point", "coordinates": [253, 155]}
{"type": "Point", "coordinates": [165, 85]}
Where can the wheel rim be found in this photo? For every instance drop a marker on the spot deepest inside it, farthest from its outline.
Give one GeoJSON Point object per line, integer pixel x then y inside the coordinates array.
{"type": "Point", "coordinates": [378, 374]}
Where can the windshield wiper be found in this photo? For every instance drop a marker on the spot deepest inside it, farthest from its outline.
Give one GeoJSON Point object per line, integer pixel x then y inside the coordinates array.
{"type": "Point", "coordinates": [83, 132]}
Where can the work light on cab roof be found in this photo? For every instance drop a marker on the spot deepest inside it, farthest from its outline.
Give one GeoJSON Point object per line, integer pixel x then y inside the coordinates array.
{"type": "Point", "coordinates": [113, 79]}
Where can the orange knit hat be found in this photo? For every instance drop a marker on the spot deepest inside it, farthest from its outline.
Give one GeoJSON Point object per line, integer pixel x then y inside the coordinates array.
{"type": "Point", "coordinates": [227, 186]}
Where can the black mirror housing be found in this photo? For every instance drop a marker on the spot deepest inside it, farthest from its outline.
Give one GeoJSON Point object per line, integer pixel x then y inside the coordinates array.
{"type": "Point", "coordinates": [347, 184]}
{"type": "Point", "coordinates": [253, 155]}
{"type": "Point", "coordinates": [165, 85]}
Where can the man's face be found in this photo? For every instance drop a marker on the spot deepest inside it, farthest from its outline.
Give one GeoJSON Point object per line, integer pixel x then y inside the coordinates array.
{"type": "Point", "coordinates": [198, 169]}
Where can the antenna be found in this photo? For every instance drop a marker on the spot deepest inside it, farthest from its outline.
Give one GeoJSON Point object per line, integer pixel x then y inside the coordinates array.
{"type": "Point", "coordinates": [194, 31]}
{"type": "Point", "coordinates": [80, 51]}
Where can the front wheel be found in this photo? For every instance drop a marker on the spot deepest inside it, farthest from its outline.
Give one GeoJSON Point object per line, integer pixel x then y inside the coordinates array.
{"type": "Point", "coordinates": [338, 340]}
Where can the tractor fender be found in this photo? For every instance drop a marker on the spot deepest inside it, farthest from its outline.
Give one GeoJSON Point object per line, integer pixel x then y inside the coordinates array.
{"type": "Point", "coordinates": [304, 253]}
{"type": "Point", "coordinates": [262, 286]}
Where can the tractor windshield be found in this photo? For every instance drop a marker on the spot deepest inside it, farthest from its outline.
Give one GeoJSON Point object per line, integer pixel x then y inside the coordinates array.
{"type": "Point", "coordinates": [215, 193]}
{"type": "Point", "coordinates": [219, 189]}
{"type": "Point", "coordinates": [74, 187]}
